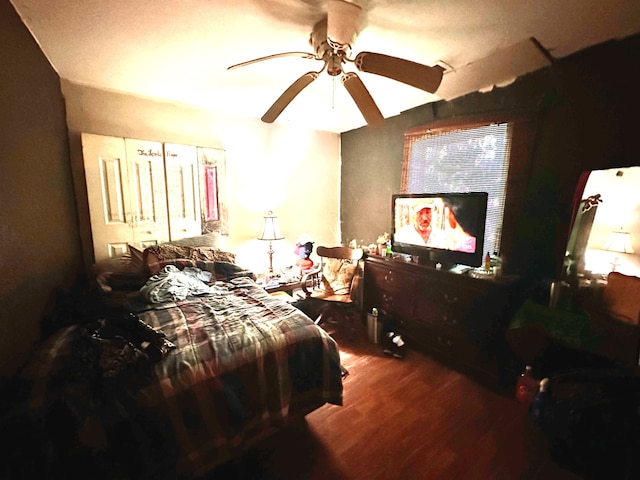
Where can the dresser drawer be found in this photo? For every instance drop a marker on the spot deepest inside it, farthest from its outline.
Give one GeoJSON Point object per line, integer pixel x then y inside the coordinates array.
{"type": "Point", "coordinates": [443, 305]}
{"type": "Point", "coordinates": [454, 347]}
{"type": "Point", "coordinates": [390, 291]}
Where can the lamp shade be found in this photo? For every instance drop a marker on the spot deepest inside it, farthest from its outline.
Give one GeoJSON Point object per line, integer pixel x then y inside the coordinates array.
{"type": "Point", "coordinates": [270, 229]}
{"type": "Point", "coordinates": [619, 242]}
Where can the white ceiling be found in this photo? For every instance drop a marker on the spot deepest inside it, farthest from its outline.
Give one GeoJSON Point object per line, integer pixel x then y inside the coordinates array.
{"type": "Point", "coordinates": [179, 50]}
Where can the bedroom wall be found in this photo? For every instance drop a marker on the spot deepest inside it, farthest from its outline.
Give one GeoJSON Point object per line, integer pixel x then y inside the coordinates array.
{"type": "Point", "coordinates": [39, 241]}
{"type": "Point", "coordinates": [586, 107]}
{"type": "Point", "coordinates": [294, 172]}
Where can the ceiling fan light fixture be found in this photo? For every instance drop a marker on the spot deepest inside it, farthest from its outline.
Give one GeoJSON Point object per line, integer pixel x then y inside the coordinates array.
{"type": "Point", "coordinates": [334, 65]}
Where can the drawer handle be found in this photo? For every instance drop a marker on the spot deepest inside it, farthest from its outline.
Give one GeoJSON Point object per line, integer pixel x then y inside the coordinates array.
{"type": "Point", "coordinates": [445, 342]}
{"type": "Point", "coordinates": [386, 299]}
{"type": "Point", "coordinates": [450, 298]}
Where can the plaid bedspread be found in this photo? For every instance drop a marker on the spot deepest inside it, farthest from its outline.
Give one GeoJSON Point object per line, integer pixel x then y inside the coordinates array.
{"type": "Point", "coordinates": [244, 362]}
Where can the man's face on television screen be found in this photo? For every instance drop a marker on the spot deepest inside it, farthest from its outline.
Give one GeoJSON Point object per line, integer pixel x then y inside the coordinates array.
{"type": "Point", "coordinates": [423, 219]}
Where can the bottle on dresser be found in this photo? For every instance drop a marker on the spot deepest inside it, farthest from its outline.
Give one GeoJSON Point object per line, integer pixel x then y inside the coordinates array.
{"type": "Point", "coordinates": [526, 386]}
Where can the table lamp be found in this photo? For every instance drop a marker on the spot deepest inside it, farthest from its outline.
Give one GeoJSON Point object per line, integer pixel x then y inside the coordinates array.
{"type": "Point", "coordinates": [620, 242]}
{"type": "Point", "coordinates": [270, 232]}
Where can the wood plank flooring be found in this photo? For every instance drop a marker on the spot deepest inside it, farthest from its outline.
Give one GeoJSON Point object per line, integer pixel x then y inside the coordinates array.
{"type": "Point", "coordinates": [410, 418]}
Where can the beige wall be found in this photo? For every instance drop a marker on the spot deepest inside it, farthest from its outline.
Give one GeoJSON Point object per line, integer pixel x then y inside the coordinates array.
{"type": "Point", "coordinates": [295, 173]}
{"type": "Point", "coordinates": [39, 241]}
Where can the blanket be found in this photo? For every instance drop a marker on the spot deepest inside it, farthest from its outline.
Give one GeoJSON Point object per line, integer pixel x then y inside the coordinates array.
{"type": "Point", "coordinates": [172, 283]}
{"type": "Point", "coordinates": [236, 363]}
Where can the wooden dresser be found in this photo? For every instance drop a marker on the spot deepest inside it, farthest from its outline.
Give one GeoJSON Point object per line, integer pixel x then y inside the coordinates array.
{"type": "Point", "coordinates": [458, 319]}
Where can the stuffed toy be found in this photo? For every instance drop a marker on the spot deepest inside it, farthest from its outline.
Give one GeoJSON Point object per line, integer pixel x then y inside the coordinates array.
{"type": "Point", "coordinates": [304, 247]}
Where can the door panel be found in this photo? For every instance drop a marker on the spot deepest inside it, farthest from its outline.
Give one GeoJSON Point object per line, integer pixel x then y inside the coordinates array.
{"type": "Point", "coordinates": [113, 198]}
{"type": "Point", "coordinates": [150, 220]}
{"type": "Point", "coordinates": [106, 176]}
{"type": "Point", "coordinates": [183, 193]}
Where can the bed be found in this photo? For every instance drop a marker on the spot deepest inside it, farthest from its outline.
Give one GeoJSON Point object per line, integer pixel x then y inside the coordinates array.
{"type": "Point", "coordinates": [125, 387]}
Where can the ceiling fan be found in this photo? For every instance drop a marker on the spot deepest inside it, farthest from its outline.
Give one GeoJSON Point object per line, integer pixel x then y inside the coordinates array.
{"type": "Point", "coordinates": [331, 40]}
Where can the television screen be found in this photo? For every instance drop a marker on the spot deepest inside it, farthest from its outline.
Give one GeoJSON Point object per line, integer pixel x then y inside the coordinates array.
{"type": "Point", "coordinates": [443, 228]}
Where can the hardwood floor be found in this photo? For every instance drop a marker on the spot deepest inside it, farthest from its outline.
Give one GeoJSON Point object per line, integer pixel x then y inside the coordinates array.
{"type": "Point", "coordinates": [410, 418]}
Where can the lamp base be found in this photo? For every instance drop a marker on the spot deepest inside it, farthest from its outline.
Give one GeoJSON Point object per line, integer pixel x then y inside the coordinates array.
{"type": "Point", "coordinates": [270, 252]}
{"type": "Point", "coordinates": [615, 264]}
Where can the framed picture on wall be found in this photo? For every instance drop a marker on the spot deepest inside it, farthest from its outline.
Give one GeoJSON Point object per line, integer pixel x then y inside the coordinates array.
{"type": "Point", "coordinates": [213, 202]}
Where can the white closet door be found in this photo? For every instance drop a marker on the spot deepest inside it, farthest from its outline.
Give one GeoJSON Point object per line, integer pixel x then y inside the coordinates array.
{"type": "Point", "coordinates": [183, 193]}
{"type": "Point", "coordinates": [149, 216]}
{"type": "Point", "coordinates": [106, 175]}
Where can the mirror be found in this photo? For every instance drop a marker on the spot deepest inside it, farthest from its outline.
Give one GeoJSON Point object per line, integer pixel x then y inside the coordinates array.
{"type": "Point", "coordinates": [606, 232]}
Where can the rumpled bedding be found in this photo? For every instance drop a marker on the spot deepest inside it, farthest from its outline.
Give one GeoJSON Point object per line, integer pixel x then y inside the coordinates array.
{"type": "Point", "coordinates": [254, 357]}
{"type": "Point", "coordinates": [74, 413]}
{"type": "Point", "coordinates": [244, 362]}
{"type": "Point", "coordinates": [171, 284]}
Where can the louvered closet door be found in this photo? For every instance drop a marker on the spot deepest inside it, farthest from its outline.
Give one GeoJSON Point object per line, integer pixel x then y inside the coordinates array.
{"type": "Point", "coordinates": [149, 216]}
{"type": "Point", "coordinates": [183, 197]}
{"type": "Point", "coordinates": [108, 193]}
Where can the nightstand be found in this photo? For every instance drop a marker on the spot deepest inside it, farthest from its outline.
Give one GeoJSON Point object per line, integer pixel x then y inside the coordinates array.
{"type": "Point", "coordinates": [289, 287]}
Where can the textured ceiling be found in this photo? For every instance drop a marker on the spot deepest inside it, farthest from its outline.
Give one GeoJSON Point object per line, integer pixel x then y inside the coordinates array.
{"type": "Point", "coordinates": [179, 50]}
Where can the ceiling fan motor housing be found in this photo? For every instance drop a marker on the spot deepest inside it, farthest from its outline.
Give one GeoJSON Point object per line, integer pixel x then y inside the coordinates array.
{"type": "Point", "coordinates": [332, 54]}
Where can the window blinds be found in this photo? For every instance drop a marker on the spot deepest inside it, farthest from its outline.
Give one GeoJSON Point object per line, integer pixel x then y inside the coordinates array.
{"type": "Point", "coordinates": [462, 160]}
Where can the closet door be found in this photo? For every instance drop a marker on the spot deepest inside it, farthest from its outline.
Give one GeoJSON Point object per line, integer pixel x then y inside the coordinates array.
{"type": "Point", "coordinates": [183, 197]}
{"type": "Point", "coordinates": [126, 193]}
{"type": "Point", "coordinates": [106, 175]}
{"type": "Point", "coordinates": [149, 217]}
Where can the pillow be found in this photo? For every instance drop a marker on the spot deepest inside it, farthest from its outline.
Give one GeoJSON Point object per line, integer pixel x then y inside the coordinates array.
{"type": "Point", "coordinates": [213, 240]}
{"type": "Point", "coordinates": [158, 256]}
{"type": "Point", "coordinates": [121, 273]}
{"type": "Point", "coordinates": [621, 297]}
{"type": "Point", "coordinates": [206, 254]}
{"type": "Point", "coordinates": [109, 281]}
{"type": "Point", "coordinates": [121, 264]}
{"type": "Point", "coordinates": [165, 251]}
{"type": "Point", "coordinates": [137, 259]}
{"type": "Point", "coordinates": [180, 263]}
{"type": "Point", "coordinates": [337, 276]}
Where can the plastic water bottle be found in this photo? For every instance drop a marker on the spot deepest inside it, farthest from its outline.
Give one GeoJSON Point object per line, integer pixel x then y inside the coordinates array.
{"type": "Point", "coordinates": [526, 386]}
{"type": "Point", "coordinates": [537, 408]}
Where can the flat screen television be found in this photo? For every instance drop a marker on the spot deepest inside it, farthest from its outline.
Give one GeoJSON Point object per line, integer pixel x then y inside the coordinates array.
{"type": "Point", "coordinates": [445, 228]}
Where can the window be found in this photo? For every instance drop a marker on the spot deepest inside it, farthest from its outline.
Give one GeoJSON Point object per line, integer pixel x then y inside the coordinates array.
{"type": "Point", "coordinates": [478, 155]}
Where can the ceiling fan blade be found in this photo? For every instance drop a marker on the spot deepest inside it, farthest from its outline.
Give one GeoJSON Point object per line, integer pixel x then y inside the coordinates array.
{"type": "Point", "coordinates": [275, 55]}
{"type": "Point", "coordinates": [343, 19]}
{"type": "Point", "coordinates": [363, 99]}
{"type": "Point", "coordinates": [289, 94]}
{"type": "Point", "coordinates": [405, 71]}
